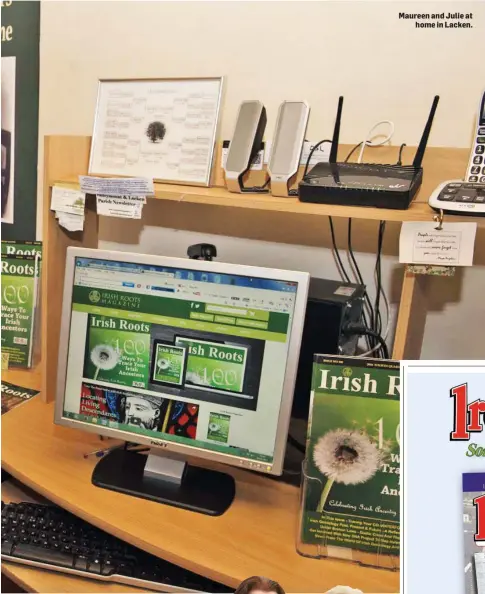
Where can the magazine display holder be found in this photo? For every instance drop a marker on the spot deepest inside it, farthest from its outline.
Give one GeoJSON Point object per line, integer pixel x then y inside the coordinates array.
{"type": "Point", "coordinates": [350, 485]}
{"type": "Point", "coordinates": [324, 551]}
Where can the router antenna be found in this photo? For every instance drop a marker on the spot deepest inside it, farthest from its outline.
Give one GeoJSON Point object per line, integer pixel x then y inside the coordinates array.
{"type": "Point", "coordinates": [418, 158]}
{"type": "Point", "coordinates": [336, 132]}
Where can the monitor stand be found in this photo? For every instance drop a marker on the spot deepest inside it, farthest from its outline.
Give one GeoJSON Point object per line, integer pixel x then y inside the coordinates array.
{"type": "Point", "coordinates": [165, 479]}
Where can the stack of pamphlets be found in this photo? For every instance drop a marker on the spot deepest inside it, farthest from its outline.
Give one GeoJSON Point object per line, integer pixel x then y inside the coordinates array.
{"type": "Point", "coordinates": [21, 265]}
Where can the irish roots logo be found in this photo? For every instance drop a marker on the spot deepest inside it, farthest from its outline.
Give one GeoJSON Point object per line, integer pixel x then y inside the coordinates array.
{"type": "Point", "coordinates": [468, 417]}
{"type": "Point", "coordinates": [479, 503]}
{"type": "Point", "coordinates": [94, 296]}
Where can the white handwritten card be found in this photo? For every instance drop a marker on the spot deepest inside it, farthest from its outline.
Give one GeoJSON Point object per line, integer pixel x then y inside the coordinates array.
{"type": "Point", "coordinates": [423, 243]}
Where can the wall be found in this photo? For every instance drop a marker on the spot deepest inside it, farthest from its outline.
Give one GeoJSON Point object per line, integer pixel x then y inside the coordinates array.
{"type": "Point", "coordinates": [384, 66]}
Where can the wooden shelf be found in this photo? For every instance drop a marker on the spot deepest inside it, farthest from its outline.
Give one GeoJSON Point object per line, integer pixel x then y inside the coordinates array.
{"type": "Point", "coordinates": [440, 164]}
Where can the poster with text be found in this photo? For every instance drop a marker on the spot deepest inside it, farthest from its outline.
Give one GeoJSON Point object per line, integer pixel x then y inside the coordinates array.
{"type": "Point", "coordinates": [20, 118]}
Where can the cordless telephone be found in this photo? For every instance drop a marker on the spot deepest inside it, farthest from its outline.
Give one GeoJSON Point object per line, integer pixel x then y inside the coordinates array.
{"type": "Point", "coordinates": [476, 166]}
{"type": "Point", "coordinates": [466, 196]}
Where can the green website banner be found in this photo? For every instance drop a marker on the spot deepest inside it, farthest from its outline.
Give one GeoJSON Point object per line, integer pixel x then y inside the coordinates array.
{"type": "Point", "coordinates": [170, 307]}
{"type": "Point", "coordinates": [19, 300]}
{"type": "Point", "coordinates": [173, 312]}
{"type": "Point", "coordinates": [20, 117]}
{"type": "Point", "coordinates": [118, 351]}
{"type": "Point", "coordinates": [352, 487]}
{"type": "Point", "coordinates": [214, 366]}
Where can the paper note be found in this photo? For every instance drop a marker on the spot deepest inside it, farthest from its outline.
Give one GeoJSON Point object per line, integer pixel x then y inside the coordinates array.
{"type": "Point", "coordinates": [67, 200]}
{"type": "Point", "coordinates": [423, 243]}
{"type": "Point", "coordinates": [320, 155]}
{"type": "Point", "coordinates": [117, 186]}
{"type": "Point", "coordinates": [70, 222]}
{"type": "Point", "coordinates": [126, 207]}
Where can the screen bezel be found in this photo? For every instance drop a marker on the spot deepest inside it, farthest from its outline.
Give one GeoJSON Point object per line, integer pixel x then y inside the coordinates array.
{"type": "Point", "coordinates": [301, 278]}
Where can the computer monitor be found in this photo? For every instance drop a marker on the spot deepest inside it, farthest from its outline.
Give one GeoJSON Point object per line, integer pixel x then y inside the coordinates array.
{"type": "Point", "coordinates": [190, 358]}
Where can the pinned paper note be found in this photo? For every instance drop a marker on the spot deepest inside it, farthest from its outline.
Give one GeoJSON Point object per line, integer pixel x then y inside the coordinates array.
{"type": "Point", "coordinates": [70, 222]}
{"type": "Point", "coordinates": [126, 207]}
{"type": "Point", "coordinates": [68, 201]}
{"type": "Point", "coordinates": [117, 186]}
{"type": "Point", "coordinates": [423, 243]}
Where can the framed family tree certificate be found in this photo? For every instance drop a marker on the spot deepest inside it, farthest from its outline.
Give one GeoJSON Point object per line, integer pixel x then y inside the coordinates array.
{"type": "Point", "coordinates": [164, 129]}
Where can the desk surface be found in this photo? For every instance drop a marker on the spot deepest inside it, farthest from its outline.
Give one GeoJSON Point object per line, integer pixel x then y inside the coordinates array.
{"type": "Point", "coordinates": [256, 536]}
{"type": "Point", "coordinates": [38, 580]}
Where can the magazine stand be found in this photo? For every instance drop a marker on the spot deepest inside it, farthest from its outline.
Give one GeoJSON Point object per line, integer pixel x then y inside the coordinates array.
{"type": "Point", "coordinates": [313, 486]}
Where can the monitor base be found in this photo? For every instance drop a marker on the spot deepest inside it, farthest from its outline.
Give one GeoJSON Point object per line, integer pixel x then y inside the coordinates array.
{"type": "Point", "coordinates": [200, 489]}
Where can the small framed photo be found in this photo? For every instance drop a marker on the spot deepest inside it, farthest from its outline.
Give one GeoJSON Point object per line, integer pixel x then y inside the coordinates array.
{"type": "Point", "coordinates": [169, 363]}
{"type": "Point", "coordinates": [163, 129]}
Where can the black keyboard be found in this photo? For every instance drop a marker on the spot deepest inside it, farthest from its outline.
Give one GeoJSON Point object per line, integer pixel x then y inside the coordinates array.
{"type": "Point", "coordinates": [49, 537]}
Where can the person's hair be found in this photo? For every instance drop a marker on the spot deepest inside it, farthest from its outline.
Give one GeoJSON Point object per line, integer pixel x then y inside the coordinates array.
{"type": "Point", "coordinates": [258, 583]}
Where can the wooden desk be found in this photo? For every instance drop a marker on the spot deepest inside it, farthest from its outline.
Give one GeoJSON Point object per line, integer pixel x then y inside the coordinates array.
{"type": "Point", "coordinates": [38, 580]}
{"type": "Point", "coordinates": [256, 536]}
{"type": "Point", "coordinates": [27, 378]}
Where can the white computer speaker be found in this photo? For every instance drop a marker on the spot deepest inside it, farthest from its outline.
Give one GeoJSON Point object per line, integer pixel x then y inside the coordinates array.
{"type": "Point", "coordinates": [287, 145]}
{"type": "Point", "coordinates": [245, 143]}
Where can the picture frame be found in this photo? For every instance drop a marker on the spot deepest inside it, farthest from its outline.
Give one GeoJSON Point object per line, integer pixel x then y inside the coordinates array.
{"type": "Point", "coordinates": [163, 129]}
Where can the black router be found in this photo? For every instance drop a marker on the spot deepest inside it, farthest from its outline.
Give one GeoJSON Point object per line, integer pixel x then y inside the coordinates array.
{"type": "Point", "coordinates": [365, 184]}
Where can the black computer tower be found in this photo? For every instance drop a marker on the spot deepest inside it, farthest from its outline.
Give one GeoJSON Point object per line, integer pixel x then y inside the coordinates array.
{"type": "Point", "coordinates": [331, 305]}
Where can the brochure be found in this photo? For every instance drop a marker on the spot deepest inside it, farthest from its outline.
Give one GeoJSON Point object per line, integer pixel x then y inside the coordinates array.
{"type": "Point", "coordinates": [21, 248]}
{"type": "Point", "coordinates": [13, 395]}
{"type": "Point", "coordinates": [352, 473]}
{"type": "Point", "coordinates": [20, 293]}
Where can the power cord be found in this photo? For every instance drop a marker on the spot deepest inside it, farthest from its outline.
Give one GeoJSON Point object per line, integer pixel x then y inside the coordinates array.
{"type": "Point", "coordinates": [352, 152]}
{"type": "Point", "coordinates": [368, 142]}
{"type": "Point", "coordinates": [354, 329]}
{"type": "Point", "coordinates": [372, 312]}
{"type": "Point", "coordinates": [342, 271]}
{"type": "Point", "coordinates": [296, 444]}
{"type": "Point", "coordinates": [310, 155]}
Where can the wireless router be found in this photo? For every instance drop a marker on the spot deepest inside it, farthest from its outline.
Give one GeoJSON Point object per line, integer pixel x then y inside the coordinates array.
{"type": "Point", "coordinates": [365, 184]}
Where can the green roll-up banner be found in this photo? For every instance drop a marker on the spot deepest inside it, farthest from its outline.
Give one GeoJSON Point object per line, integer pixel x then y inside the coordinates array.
{"type": "Point", "coordinates": [20, 117]}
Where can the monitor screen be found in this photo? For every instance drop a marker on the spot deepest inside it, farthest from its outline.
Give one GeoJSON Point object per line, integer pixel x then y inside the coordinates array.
{"type": "Point", "coordinates": [189, 356]}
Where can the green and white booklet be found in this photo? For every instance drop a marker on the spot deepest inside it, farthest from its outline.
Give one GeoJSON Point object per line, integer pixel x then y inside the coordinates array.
{"type": "Point", "coordinates": [21, 264]}
{"type": "Point", "coordinates": [351, 479]}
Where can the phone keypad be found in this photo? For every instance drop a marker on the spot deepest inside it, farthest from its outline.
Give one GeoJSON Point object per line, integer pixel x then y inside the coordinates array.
{"type": "Point", "coordinates": [476, 168]}
{"type": "Point", "coordinates": [464, 192]}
